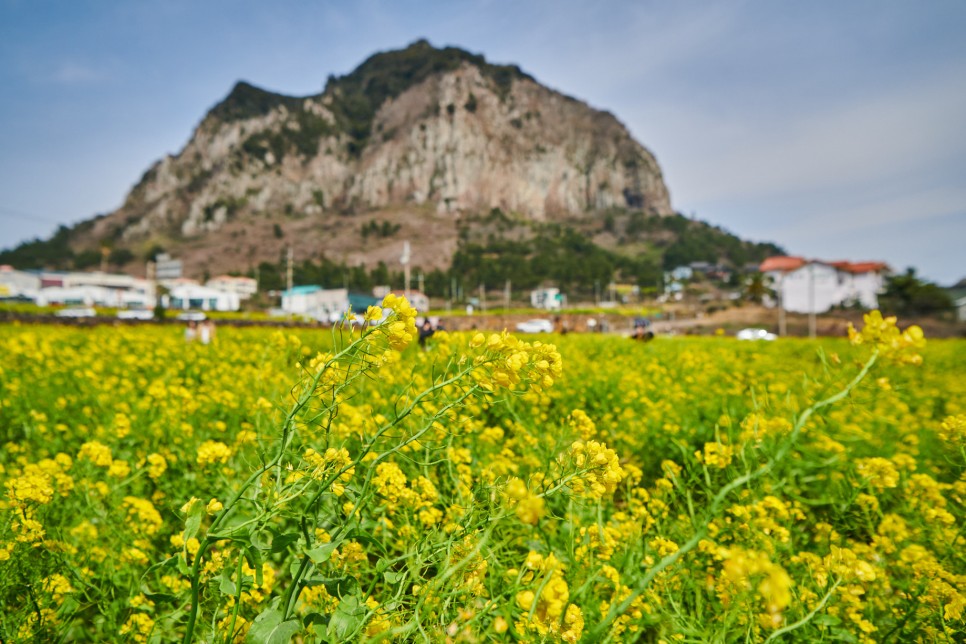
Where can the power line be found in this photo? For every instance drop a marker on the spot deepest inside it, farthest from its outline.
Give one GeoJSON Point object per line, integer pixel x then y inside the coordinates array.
{"type": "Point", "coordinates": [13, 213]}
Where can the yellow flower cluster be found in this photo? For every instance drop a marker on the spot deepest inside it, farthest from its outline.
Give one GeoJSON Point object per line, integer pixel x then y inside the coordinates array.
{"type": "Point", "coordinates": [146, 517]}
{"type": "Point", "coordinates": [757, 427]}
{"type": "Point", "coordinates": [401, 330]}
{"type": "Point", "coordinates": [97, 453]}
{"type": "Point", "coordinates": [548, 612]}
{"type": "Point", "coordinates": [598, 470]}
{"type": "Point", "coordinates": [953, 430]}
{"type": "Point", "coordinates": [157, 465]}
{"type": "Point", "coordinates": [528, 507]}
{"type": "Point", "coordinates": [715, 455]}
{"type": "Point", "coordinates": [745, 569]}
{"type": "Point", "coordinates": [884, 335]}
{"type": "Point", "coordinates": [34, 487]}
{"type": "Point", "coordinates": [881, 473]}
{"type": "Point", "coordinates": [213, 452]}
{"type": "Point", "coordinates": [333, 460]}
{"type": "Point", "coordinates": [508, 362]}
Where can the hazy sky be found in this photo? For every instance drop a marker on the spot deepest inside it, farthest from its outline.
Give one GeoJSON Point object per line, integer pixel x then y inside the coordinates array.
{"type": "Point", "coordinates": [834, 128]}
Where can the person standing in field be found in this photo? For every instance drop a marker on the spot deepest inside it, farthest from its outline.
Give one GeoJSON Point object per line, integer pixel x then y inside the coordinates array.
{"type": "Point", "coordinates": [191, 331]}
{"type": "Point", "coordinates": [207, 331]}
{"type": "Point", "coordinates": [426, 331]}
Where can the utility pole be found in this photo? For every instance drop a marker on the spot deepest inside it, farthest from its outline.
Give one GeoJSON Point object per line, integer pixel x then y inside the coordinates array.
{"type": "Point", "coordinates": [506, 297]}
{"type": "Point", "coordinates": [811, 301]}
{"type": "Point", "coordinates": [150, 273]}
{"type": "Point", "coordinates": [404, 260]}
{"type": "Point", "coordinates": [482, 299]}
{"type": "Point", "coordinates": [782, 331]}
{"type": "Point", "coordinates": [289, 270]}
{"type": "Point", "coordinates": [422, 283]}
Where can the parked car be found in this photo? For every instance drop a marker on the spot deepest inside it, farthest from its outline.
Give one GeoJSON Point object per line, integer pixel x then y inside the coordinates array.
{"type": "Point", "coordinates": [755, 334]}
{"type": "Point", "coordinates": [77, 312]}
{"type": "Point", "coordinates": [135, 314]}
{"type": "Point", "coordinates": [535, 326]}
{"type": "Point", "coordinates": [191, 316]}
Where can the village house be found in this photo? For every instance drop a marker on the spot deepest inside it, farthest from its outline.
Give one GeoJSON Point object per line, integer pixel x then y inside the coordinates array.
{"type": "Point", "coordinates": [546, 298]}
{"type": "Point", "coordinates": [16, 284]}
{"type": "Point", "coordinates": [184, 296]}
{"type": "Point", "coordinates": [313, 301]}
{"type": "Point", "coordinates": [243, 287]}
{"type": "Point", "coordinates": [48, 288]}
{"type": "Point", "coordinates": [815, 286]}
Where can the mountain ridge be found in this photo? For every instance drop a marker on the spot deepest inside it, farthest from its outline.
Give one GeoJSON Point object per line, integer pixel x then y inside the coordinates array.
{"type": "Point", "coordinates": [413, 142]}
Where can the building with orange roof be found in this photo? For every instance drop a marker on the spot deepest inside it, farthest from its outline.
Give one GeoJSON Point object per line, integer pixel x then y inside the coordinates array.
{"type": "Point", "coordinates": [815, 286]}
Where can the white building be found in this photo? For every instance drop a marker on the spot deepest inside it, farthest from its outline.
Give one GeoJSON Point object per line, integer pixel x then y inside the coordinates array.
{"type": "Point", "coordinates": [328, 305]}
{"type": "Point", "coordinates": [14, 283]}
{"type": "Point", "coordinates": [93, 295]}
{"type": "Point", "coordinates": [417, 299]}
{"type": "Point", "coordinates": [813, 286]}
{"type": "Point", "coordinates": [202, 298]}
{"type": "Point", "coordinates": [94, 289]}
{"type": "Point", "coordinates": [546, 298]}
{"type": "Point", "coordinates": [244, 287]}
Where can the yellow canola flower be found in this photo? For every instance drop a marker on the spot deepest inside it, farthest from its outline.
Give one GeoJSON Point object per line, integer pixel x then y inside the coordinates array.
{"type": "Point", "coordinates": [97, 453]}
{"type": "Point", "coordinates": [528, 507]}
{"type": "Point", "coordinates": [953, 430]}
{"type": "Point", "coordinates": [402, 329]}
{"type": "Point", "coordinates": [157, 465]}
{"type": "Point", "coordinates": [880, 472]}
{"type": "Point", "coordinates": [549, 613]}
{"type": "Point", "coordinates": [884, 335]}
{"type": "Point", "coordinates": [598, 469]}
{"type": "Point", "coordinates": [213, 452]}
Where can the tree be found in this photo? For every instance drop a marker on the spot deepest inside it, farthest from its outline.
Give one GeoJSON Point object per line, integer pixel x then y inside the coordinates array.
{"type": "Point", "coordinates": [757, 288]}
{"type": "Point", "coordinates": [907, 295]}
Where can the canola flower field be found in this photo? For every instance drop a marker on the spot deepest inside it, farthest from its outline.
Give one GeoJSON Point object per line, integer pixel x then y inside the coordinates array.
{"type": "Point", "coordinates": [320, 487]}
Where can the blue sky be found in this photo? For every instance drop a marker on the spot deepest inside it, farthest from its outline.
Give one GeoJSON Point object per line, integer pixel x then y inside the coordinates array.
{"type": "Point", "coordinates": [836, 129]}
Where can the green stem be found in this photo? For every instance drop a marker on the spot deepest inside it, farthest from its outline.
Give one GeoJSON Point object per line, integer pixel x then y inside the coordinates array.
{"type": "Point", "coordinates": [287, 433]}
{"type": "Point", "coordinates": [238, 593]}
{"type": "Point", "coordinates": [805, 620]}
{"type": "Point", "coordinates": [719, 499]}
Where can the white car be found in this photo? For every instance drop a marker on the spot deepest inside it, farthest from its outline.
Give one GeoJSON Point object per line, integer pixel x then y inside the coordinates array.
{"type": "Point", "coordinates": [135, 314]}
{"type": "Point", "coordinates": [756, 334]}
{"type": "Point", "coordinates": [84, 312]}
{"type": "Point", "coordinates": [192, 316]}
{"type": "Point", "coordinates": [535, 326]}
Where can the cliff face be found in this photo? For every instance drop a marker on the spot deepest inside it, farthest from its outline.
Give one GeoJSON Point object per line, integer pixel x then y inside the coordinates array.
{"type": "Point", "coordinates": [438, 132]}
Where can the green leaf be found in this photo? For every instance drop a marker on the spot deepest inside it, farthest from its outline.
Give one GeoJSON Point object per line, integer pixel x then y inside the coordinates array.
{"type": "Point", "coordinates": [270, 628]}
{"type": "Point", "coordinates": [394, 577]}
{"type": "Point", "coordinates": [183, 566]}
{"type": "Point", "coordinates": [316, 618]}
{"type": "Point", "coordinates": [227, 586]}
{"type": "Point", "coordinates": [193, 522]}
{"type": "Point", "coordinates": [826, 620]}
{"type": "Point", "coordinates": [347, 618]}
{"type": "Point", "coordinates": [322, 553]}
{"type": "Point", "coordinates": [280, 541]}
{"type": "Point", "coordinates": [255, 561]}
{"type": "Point", "coordinates": [341, 586]}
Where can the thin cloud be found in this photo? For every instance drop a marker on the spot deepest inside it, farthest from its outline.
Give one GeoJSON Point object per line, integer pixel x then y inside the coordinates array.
{"type": "Point", "coordinates": [75, 73]}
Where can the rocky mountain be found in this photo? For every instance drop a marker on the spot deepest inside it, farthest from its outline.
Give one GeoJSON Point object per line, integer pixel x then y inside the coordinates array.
{"type": "Point", "coordinates": [487, 174]}
{"type": "Point", "coordinates": [410, 142]}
